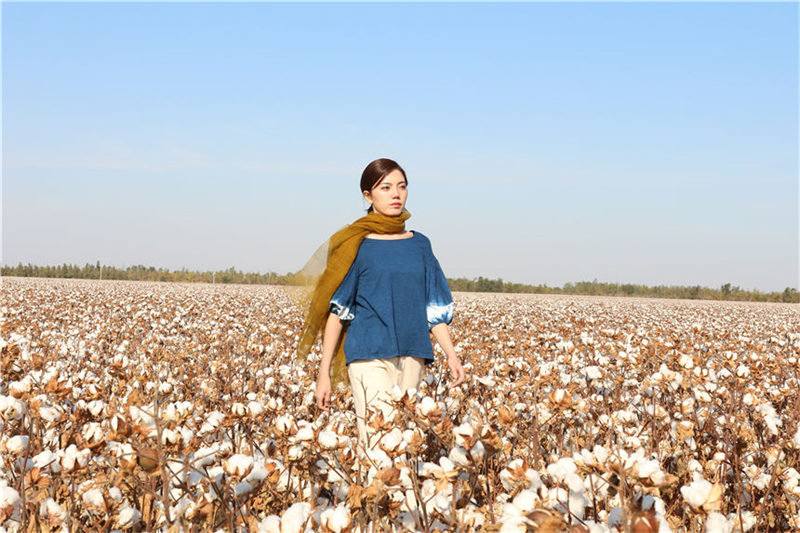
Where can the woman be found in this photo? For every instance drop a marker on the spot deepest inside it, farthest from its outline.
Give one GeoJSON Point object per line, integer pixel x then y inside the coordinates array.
{"type": "Point", "coordinates": [381, 293]}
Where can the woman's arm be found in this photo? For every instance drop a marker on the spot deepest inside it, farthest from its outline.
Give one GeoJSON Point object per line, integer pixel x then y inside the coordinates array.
{"type": "Point", "coordinates": [442, 336]}
{"type": "Point", "coordinates": [330, 337]}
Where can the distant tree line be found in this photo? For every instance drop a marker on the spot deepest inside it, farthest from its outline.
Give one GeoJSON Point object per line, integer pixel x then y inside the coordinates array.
{"type": "Point", "coordinates": [480, 284]}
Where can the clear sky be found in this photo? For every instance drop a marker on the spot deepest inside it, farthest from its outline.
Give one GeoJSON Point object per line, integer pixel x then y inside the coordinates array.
{"type": "Point", "coordinates": [652, 143]}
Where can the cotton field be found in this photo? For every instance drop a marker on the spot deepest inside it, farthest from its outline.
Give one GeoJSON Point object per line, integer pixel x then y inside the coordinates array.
{"type": "Point", "coordinates": [132, 406]}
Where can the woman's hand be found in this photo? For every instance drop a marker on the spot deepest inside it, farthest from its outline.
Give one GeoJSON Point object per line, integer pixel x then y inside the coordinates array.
{"type": "Point", "coordinates": [323, 393]}
{"type": "Point", "coordinates": [456, 370]}
{"type": "Point", "coordinates": [442, 336]}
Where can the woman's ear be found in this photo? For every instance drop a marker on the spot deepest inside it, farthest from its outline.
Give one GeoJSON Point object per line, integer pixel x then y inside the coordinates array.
{"type": "Point", "coordinates": [367, 197]}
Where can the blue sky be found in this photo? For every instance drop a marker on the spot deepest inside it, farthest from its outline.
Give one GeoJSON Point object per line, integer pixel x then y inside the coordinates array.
{"type": "Point", "coordinates": [651, 143]}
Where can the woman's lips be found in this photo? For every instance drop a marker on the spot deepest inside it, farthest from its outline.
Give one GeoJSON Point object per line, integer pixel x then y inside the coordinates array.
{"type": "Point", "coordinates": [395, 205]}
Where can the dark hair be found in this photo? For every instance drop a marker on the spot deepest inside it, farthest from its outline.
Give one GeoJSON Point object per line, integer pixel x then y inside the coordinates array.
{"type": "Point", "coordinates": [376, 171]}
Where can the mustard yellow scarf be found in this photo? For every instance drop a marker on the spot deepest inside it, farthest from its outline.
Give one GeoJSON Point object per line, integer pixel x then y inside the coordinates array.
{"type": "Point", "coordinates": [340, 251]}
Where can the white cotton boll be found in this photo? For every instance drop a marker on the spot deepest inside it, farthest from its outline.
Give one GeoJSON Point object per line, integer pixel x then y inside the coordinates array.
{"type": "Point", "coordinates": [796, 438]}
{"type": "Point", "coordinates": [51, 512]}
{"type": "Point", "coordinates": [771, 419]}
{"type": "Point", "coordinates": [391, 440]}
{"type": "Point", "coordinates": [257, 474]}
{"type": "Point", "coordinates": [255, 408]}
{"type": "Point", "coordinates": [336, 519]}
{"type": "Point", "coordinates": [559, 470]}
{"type": "Point", "coordinates": [577, 500]}
{"type": "Point", "coordinates": [427, 469]}
{"type": "Point", "coordinates": [294, 518]}
{"type": "Point", "coordinates": [115, 494]}
{"type": "Point", "coordinates": [295, 452]}
{"type": "Point", "coordinates": [93, 433]}
{"type": "Point", "coordinates": [238, 408]}
{"type": "Point", "coordinates": [458, 456]}
{"type": "Point", "coordinates": [645, 469]}
{"type": "Point", "coordinates": [426, 405]}
{"type": "Point", "coordinates": [243, 487]}
{"type": "Point", "coordinates": [748, 399]}
{"type": "Point", "coordinates": [128, 517]}
{"type": "Point", "coordinates": [238, 465]}
{"type": "Point", "coordinates": [17, 444]}
{"type": "Point", "coordinates": [600, 454]}
{"type": "Point", "coordinates": [305, 433]}
{"type": "Point", "coordinates": [73, 458]}
{"type": "Point", "coordinates": [186, 435]}
{"type": "Point", "coordinates": [791, 479]}
{"type": "Point", "coordinates": [328, 439]}
{"type": "Point", "coordinates": [93, 498]}
{"type": "Point", "coordinates": [463, 433]}
{"type": "Point", "coordinates": [49, 413]}
{"type": "Point", "coordinates": [446, 464]}
{"type": "Point", "coordinates": [525, 501]}
{"type": "Point", "coordinates": [271, 524]}
{"type": "Point", "coordinates": [748, 521]}
{"type": "Point", "coordinates": [716, 523]}
{"type": "Point", "coordinates": [96, 407]}
{"type": "Point", "coordinates": [514, 524]}
{"type": "Point", "coordinates": [204, 456]}
{"type": "Point", "coordinates": [762, 481]}
{"type": "Point", "coordinates": [9, 500]}
{"type": "Point", "coordinates": [696, 493]}
{"type": "Point", "coordinates": [487, 381]}
{"type": "Point", "coordinates": [11, 408]}
{"type": "Point", "coordinates": [478, 452]}
{"type": "Point", "coordinates": [46, 459]}
{"type": "Point", "coordinates": [170, 436]}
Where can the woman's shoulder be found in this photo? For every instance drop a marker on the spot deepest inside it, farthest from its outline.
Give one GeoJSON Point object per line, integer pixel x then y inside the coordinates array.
{"type": "Point", "coordinates": [421, 236]}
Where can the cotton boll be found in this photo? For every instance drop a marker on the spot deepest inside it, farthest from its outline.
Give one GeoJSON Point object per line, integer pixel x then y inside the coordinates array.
{"type": "Point", "coordinates": [747, 523]}
{"type": "Point", "coordinates": [559, 470]}
{"type": "Point", "coordinates": [328, 439]}
{"type": "Point", "coordinates": [238, 465]}
{"type": "Point", "coordinates": [47, 459]}
{"type": "Point", "coordinates": [391, 440]}
{"type": "Point", "coordinates": [270, 524]}
{"type": "Point", "coordinates": [477, 452]}
{"type": "Point", "coordinates": [716, 523]}
{"type": "Point", "coordinates": [243, 487]}
{"type": "Point", "coordinates": [336, 519]}
{"type": "Point", "coordinates": [514, 524]}
{"type": "Point", "coordinates": [255, 408]}
{"type": "Point", "coordinates": [294, 518]}
{"type": "Point", "coordinates": [295, 452]}
{"type": "Point", "coordinates": [128, 517]}
{"type": "Point", "coordinates": [93, 500]}
{"type": "Point", "coordinates": [16, 445]}
{"type": "Point", "coordinates": [458, 456]}
{"type": "Point", "coordinates": [525, 501]}
{"type": "Point", "coordinates": [9, 502]}
{"type": "Point", "coordinates": [51, 512]}
{"type": "Point", "coordinates": [49, 413]}
{"type": "Point", "coordinates": [96, 407]}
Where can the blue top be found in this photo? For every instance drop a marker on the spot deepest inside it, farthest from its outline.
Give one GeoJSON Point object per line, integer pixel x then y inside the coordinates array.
{"type": "Point", "coordinates": [393, 294]}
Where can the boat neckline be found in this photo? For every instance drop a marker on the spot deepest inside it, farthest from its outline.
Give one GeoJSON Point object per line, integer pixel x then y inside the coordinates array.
{"type": "Point", "coordinates": [392, 240]}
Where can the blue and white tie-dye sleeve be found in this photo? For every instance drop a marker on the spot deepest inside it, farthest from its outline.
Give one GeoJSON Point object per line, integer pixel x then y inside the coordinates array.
{"type": "Point", "coordinates": [437, 293]}
{"type": "Point", "coordinates": [343, 301]}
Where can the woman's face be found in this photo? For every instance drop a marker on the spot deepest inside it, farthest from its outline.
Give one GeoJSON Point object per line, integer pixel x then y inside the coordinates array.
{"type": "Point", "coordinates": [388, 196]}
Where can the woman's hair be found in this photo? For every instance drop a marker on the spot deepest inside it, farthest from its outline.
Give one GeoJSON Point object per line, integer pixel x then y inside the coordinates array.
{"type": "Point", "coordinates": [376, 171]}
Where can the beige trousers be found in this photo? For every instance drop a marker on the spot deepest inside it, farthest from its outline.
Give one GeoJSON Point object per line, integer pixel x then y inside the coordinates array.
{"type": "Point", "coordinates": [372, 380]}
